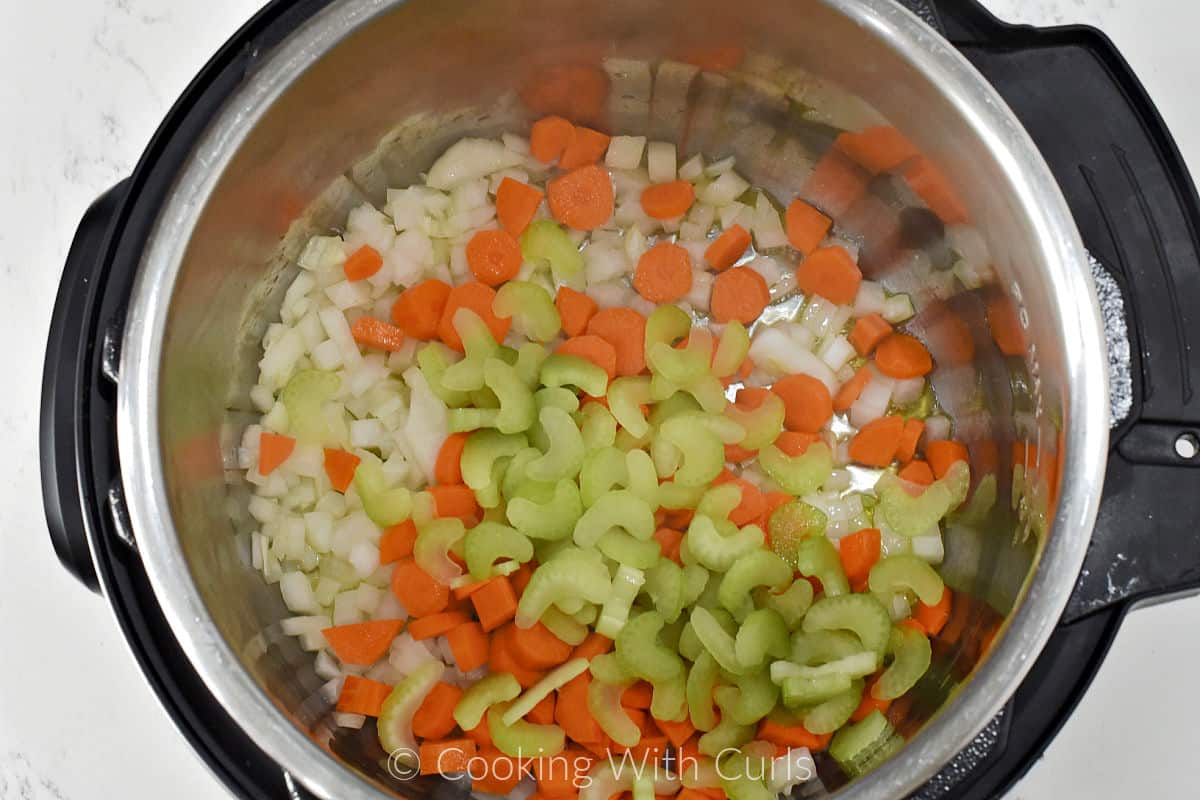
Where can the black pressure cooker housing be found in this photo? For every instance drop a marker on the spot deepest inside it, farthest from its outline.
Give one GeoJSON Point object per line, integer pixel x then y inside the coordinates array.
{"type": "Point", "coordinates": [1136, 208]}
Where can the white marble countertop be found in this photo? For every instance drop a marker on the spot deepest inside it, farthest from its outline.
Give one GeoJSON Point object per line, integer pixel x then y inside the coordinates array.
{"type": "Point", "coordinates": [85, 84]}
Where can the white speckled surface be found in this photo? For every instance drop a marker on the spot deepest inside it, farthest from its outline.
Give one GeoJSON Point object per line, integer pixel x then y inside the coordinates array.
{"type": "Point", "coordinates": [85, 83]}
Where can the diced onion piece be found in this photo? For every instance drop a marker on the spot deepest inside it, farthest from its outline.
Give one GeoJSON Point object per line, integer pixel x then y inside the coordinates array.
{"type": "Point", "coordinates": [873, 402]}
{"type": "Point", "coordinates": [692, 169]}
{"type": "Point", "coordinates": [774, 351]}
{"type": "Point", "coordinates": [322, 253]}
{"type": "Point", "coordinates": [353, 721]}
{"type": "Point", "coordinates": [871, 299]}
{"type": "Point", "coordinates": [298, 626]}
{"type": "Point", "coordinates": [625, 152]}
{"type": "Point", "coordinates": [297, 593]}
{"type": "Point", "coordinates": [660, 162]}
{"type": "Point", "coordinates": [468, 159]}
{"type": "Point", "coordinates": [898, 308]}
{"type": "Point", "coordinates": [929, 548]}
{"type": "Point", "coordinates": [724, 190]}
{"type": "Point", "coordinates": [767, 224]}
{"type": "Point", "coordinates": [836, 351]}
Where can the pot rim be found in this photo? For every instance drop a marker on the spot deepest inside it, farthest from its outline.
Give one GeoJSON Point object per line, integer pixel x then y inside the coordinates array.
{"type": "Point", "coordinates": [1085, 423]}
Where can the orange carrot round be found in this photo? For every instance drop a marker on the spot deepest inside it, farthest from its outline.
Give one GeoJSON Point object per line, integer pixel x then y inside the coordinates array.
{"type": "Point", "coordinates": [806, 227]}
{"type": "Point", "coordinates": [448, 468]}
{"type": "Point", "coordinates": [868, 332]}
{"type": "Point", "coordinates": [584, 146]}
{"type": "Point", "coordinates": [794, 443]}
{"type": "Point", "coordinates": [876, 443]}
{"type": "Point", "coordinates": [807, 403]}
{"type": "Point", "coordinates": [582, 199]}
{"type": "Point", "coordinates": [739, 294]}
{"type": "Point", "coordinates": [902, 357]}
{"type": "Point", "coordinates": [727, 248]}
{"type": "Point", "coordinates": [831, 273]}
{"type": "Point", "coordinates": [516, 204]}
{"type": "Point", "coordinates": [664, 273]}
{"type": "Point", "coordinates": [575, 309]}
{"type": "Point", "coordinates": [595, 350]}
{"type": "Point", "coordinates": [625, 330]}
{"type": "Point", "coordinates": [273, 450]}
{"type": "Point", "coordinates": [419, 309]}
{"type": "Point", "coordinates": [417, 590]}
{"type": "Point", "coordinates": [478, 298]}
{"type": "Point", "coordinates": [942, 455]}
{"type": "Point", "coordinates": [362, 263]}
{"type": "Point", "coordinates": [373, 333]}
{"type": "Point", "coordinates": [548, 138]}
{"type": "Point", "coordinates": [339, 467]}
{"type": "Point", "coordinates": [668, 200]}
{"type": "Point", "coordinates": [494, 256]}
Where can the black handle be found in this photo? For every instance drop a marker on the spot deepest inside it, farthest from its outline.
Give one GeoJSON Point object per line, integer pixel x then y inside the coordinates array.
{"type": "Point", "coordinates": [72, 509]}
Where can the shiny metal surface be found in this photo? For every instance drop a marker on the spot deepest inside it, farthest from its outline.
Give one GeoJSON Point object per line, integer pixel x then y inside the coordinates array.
{"type": "Point", "coordinates": [369, 91]}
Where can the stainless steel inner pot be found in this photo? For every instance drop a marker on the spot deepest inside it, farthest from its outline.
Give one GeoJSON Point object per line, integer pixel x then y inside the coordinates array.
{"type": "Point", "coordinates": [365, 94]}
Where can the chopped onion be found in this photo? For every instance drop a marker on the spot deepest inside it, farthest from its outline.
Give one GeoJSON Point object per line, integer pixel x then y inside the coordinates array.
{"type": "Point", "coordinates": [323, 253]}
{"type": "Point", "coordinates": [298, 626]}
{"type": "Point", "coordinates": [338, 330]}
{"type": "Point", "coordinates": [331, 689]}
{"type": "Point", "coordinates": [298, 593]}
{"type": "Point", "coordinates": [604, 262]}
{"type": "Point", "coordinates": [366, 225]}
{"type": "Point", "coordinates": [389, 608]}
{"type": "Point", "coordinates": [873, 402]}
{"type": "Point", "coordinates": [871, 299]}
{"type": "Point", "coordinates": [836, 351]}
{"type": "Point", "coordinates": [352, 721]}
{"type": "Point", "coordinates": [364, 556]}
{"type": "Point", "coordinates": [518, 144]}
{"type": "Point", "coordinates": [258, 544]}
{"type": "Point", "coordinates": [908, 391]}
{"type": "Point", "coordinates": [937, 429]}
{"type": "Point", "coordinates": [701, 291]}
{"type": "Point", "coordinates": [263, 509]}
{"type": "Point", "coordinates": [692, 169]}
{"type": "Point", "coordinates": [724, 190]}
{"type": "Point", "coordinates": [407, 654]}
{"type": "Point", "coordinates": [702, 215]}
{"type": "Point", "coordinates": [898, 308]}
{"type": "Point", "coordinates": [767, 225]}
{"type": "Point", "coordinates": [775, 351]}
{"type": "Point", "coordinates": [660, 162]}
{"type": "Point", "coordinates": [279, 359]}
{"type": "Point", "coordinates": [625, 152]}
{"type": "Point", "coordinates": [345, 608]}
{"type": "Point", "coordinates": [468, 159]}
{"type": "Point", "coordinates": [426, 427]}
{"type": "Point", "coordinates": [326, 666]}
{"type": "Point", "coordinates": [789, 770]}
{"type": "Point", "coordinates": [610, 295]}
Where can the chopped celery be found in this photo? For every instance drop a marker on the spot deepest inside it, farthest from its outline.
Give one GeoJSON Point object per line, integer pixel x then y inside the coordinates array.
{"type": "Point", "coordinates": [606, 668]}
{"type": "Point", "coordinates": [719, 502]}
{"type": "Point", "coordinates": [461, 420]}
{"type": "Point", "coordinates": [498, 687]}
{"type": "Point", "coordinates": [523, 739]}
{"type": "Point", "coordinates": [482, 451]}
{"type": "Point", "coordinates": [545, 240]}
{"type": "Point", "coordinates": [603, 468]}
{"type": "Point", "coordinates": [856, 666]}
{"type": "Point", "coordinates": [535, 694]}
{"type": "Point", "coordinates": [752, 699]}
{"type": "Point", "coordinates": [566, 628]}
{"type": "Point", "coordinates": [821, 647]}
{"type": "Point", "coordinates": [530, 357]}
{"type": "Point", "coordinates": [798, 475]}
{"type": "Point", "coordinates": [672, 495]}
{"type": "Point", "coordinates": [489, 497]}
{"type": "Point", "coordinates": [699, 439]}
{"type": "Point", "coordinates": [395, 717]}
{"type": "Point", "coordinates": [731, 350]}
{"type": "Point", "coordinates": [716, 640]}
{"type": "Point", "coordinates": [626, 396]}
{"type": "Point", "coordinates": [907, 573]}
{"type": "Point", "coordinates": [640, 653]}
{"type": "Point", "coordinates": [678, 403]}
{"type": "Point", "coordinates": [616, 509]}
{"type": "Point", "coordinates": [515, 483]}
{"type": "Point", "coordinates": [669, 700]}
{"type": "Point", "coordinates": [915, 516]}
{"type": "Point", "coordinates": [489, 542]}
{"type": "Point", "coordinates": [479, 346]}
{"type": "Point", "coordinates": [642, 479]}
{"type": "Point", "coordinates": [798, 692]}
{"type": "Point", "coordinates": [665, 586]}
{"type": "Point", "coordinates": [531, 308]}
{"type": "Point", "coordinates": [701, 680]}
{"type": "Point", "coordinates": [604, 703]}
{"type": "Point", "coordinates": [716, 551]}
{"type": "Point", "coordinates": [385, 507]}
{"type": "Point", "coordinates": [626, 582]}
{"type": "Point", "coordinates": [726, 734]}
{"type": "Point", "coordinates": [817, 557]}
{"type": "Point", "coordinates": [763, 424]}
{"type": "Point", "coordinates": [571, 575]}
{"type": "Point", "coordinates": [561, 369]}
{"type": "Point", "coordinates": [695, 580]}
{"type": "Point", "coordinates": [754, 569]}
{"type": "Point", "coordinates": [558, 397]}
{"type": "Point", "coordinates": [690, 646]}
{"type": "Point", "coordinates": [433, 360]}
{"type": "Point", "coordinates": [304, 396]}
{"type": "Point", "coordinates": [624, 549]}
{"type": "Point", "coordinates": [911, 656]}
{"type": "Point", "coordinates": [743, 778]}
{"type": "Point", "coordinates": [828, 716]}
{"type": "Point", "coordinates": [598, 426]}
{"type": "Point", "coordinates": [790, 524]}
{"type": "Point", "coordinates": [791, 603]}
{"type": "Point", "coordinates": [517, 407]}
{"type": "Point", "coordinates": [666, 324]}
{"type": "Point", "coordinates": [861, 614]}
{"type": "Point", "coordinates": [862, 746]}
{"type": "Point", "coordinates": [763, 633]}
{"type": "Point", "coordinates": [666, 457]}
{"type": "Point", "coordinates": [432, 548]}
{"type": "Point", "coordinates": [553, 519]}
{"type": "Point", "coordinates": [565, 454]}
{"type": "Point", "coordinates": [975, 511]}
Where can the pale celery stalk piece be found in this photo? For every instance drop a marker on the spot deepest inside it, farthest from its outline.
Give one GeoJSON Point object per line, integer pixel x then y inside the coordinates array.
{"type": "Point", "coordinates": [726, 734]}
{"type": "Point", "coordinates": [911, 656]}
{"type": "Point", "coordinates": [860, 747]}
{"type": "Point", "coordinates": [732, 350]}
{"type": "Point", "coordinates": [835, 712]}
{"type": "Point", "coordinates": [791, 604]}
{"type": "Point", "coordinates": [904, 572]}
{"type": "Point", "coordinates": [565, 454]}
{"type": "Point", "coordinates": [763, 424]}
{"type": "Point", "coordinates": [914, 516]}
{"type": "Point", "coordinates": [751, 699]}
{"type": "Point", "coordinates": [489, 542]}
{"type": "Point", "coordinates": [716, 640]}
{"type": "Point", "coordinates": [481, 452]}
{"type": "Point", "coordinates": [861, 614]}
{"type": "Point", "coordinates": [718, 552]}
{"type": "Point", "coordinates": [552, 520]}
{"type": "Point", "coordinates": [478, 346]}
{"type": "Point", "coordinates": [701, 680]}
{"type": "Point", "coordinates": [517, 406]}
{"type": "Point", "coordinates": [531, 309]}
{"type": "Point", "coordinates": [616, 509]}
{"type": "Point", "coordinates": [817, 557]}
{"type": "Point", "coordinates": [754, 569]}
{"type": "Point", "coordinates": [433, 544]}
{"type": "Point", "coordinates": [566, 628]}
{"type": "Point", "coordinates": [857, 665]}
{"type": "Point", "coordinates": [603, 468]}
{"type": "Point", "coordinates": [625, 585]}
{"type": "Point", "coordinates": [800, 692]}
{"type": "Point", "coordinates": [385, 506]}
{"type": "Point", "coordinates": [546, 241]}
{"type": "Point", "coordinates": [562, 369]}
{"type": "Point", "coordinates": [626, 396]}
{"type": "Point", "coordinates": [304, 396]}
{"type": "Point", "coordinates": [798, 475]}
{"type": "Point", "coordinates": [640, 653]}
{"type": "Point", "coordinates": [555, 679]}
{"type": "Point", "coordinates": [396, 715]}
{"type": "Point", "coordinates": [762, 634]}
{"type": "Point", "coordinates": [604, 703]}
{"type": "Point", "coordinates": [821, 647]}
{"type": "Point", "coordinates": [522, 739]}
{"type": "Point", "coordinates": [498, 687]}
{"type": "Point", "coordinates": [669, 699]}
{"type": "Point", "coordinates": [597, 426]}
{"type": "Point", "coordinates": [571, 575]}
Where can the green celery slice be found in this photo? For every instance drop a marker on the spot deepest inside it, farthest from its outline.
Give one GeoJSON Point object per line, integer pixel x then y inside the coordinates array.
{"type": "Point", "coordinates": [907, 573]}
{"type": "Point", "coordinates": [555, 679]}
{"type": "Point", "coordinates": [304, 396]}
{"type": "Point", "coordinates": [716, 551]}
{"type": "Point", "coordinates": [552, 520]}
{"type": "Point", "coordinates": [798, 475]}
{"type": "Point", "coordinates": [531, 308]}
{"type": "Point", "coordinates": [763, 633]}
{"type": "Point", "coordinates": [716, 640]}
{"type": "Point", "coordinates": [701, 680]}
{"type": "Point", "coordinates": [431, 550]}
{"type": "Point", "coordinates": [396, 715]}
{"type": "Point", "coordinates": [523, 739]}
{"type": "Point", "coordinates": [914, 516]}
{"type": "Point", "coordinates": [640, 653]}
{"type": "Point", "coordinates": [912, 655]}
{"type": "Point", "coordinates": [561, 369]}
{"type": "Point", "coordinates": [489, 542]}
{"type": "Point", "coordinates": [545, 240]}
{"type": "Point", "coordinates": [835, 712]}
{"type": "Point", "coordinates": [616, 509]}
{"type": "Point", "coordinates": [498, 687]}
{"type": "Point", "coordinates": [754, 569]}
{"type": "Point", "coordinates": [861, 614]}
{"type": "Point", "coordinates": [571, 575]}
{"type": "Point", "coordinates": [626, 582]}
{"type": "Point", "coordinates": [792, 523]}
{"type": "Point", "coordinates": [565, 454]}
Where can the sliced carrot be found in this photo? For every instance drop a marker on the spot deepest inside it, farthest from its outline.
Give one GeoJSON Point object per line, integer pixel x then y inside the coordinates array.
{"type": "Point", "coordinates": [585, 146]}
{"type": "Point", "coordinates": [571, 711]}
{"type": "Point", "coordinates": [516, 204]}
{"type": "Point", "coordinates": [562, 775]}
{"type": "Point", "coordinates": [836, 183]}
{"type": "Point", "coordinates": [877, 149]}
{"type": "Point", "coordinates": [676, 732]}
{"type": "Point", "coordinates": [772, 501]}
{"type": "Point", "coordinates": [794, 443]}
{"type": "Point", "coordinates": [481, 735]}
{"type": "Point", "coordinates": [650, 747]}
{"type": "Point", "coordinates": [418, 309]}
{"type": "Point", "coordinates": [917, 472]}
{"type": "Point", "coordinates": [932, 186]}
{"type": "Point", "coordinates": [362, 696]}
{"type": "Point", "coordinates": [859, 551]}
{"type": "Point", "coordinates": [638, 695]}
{"type": "Point", "coordinates": [739, 294]}
{"type": "Point", "coordinates": [375, 333]}
{"type": "Point", "coordinates": [478, 298]}
{"type": "Point", "coordinates": [625, 330]}
{"type": "Point", "coordinates": [417, 590]}
{"type": "Point", "coordinates": [397, 542]}
{"type": "Point", "coordinates": [913, 428]}
{"type": "Point", "coordinates": [870, 703]}
{"type": "Point", "coordinates": [499, 773]}
{"type": "Point", "coordinates": [469, 646]}
{"type": "Point", "coordinates": [434, 718]}
{"type": "Point", "coordinates": [868, 332]}
{"type": "Point", "coordinates": [448, 468]}
{"type": "Point", "coordinates": [339, 467]}
{"type": "Point", "coordinates": [851, 389]}
{"type": "Point", "coordinates": [436, 624]}
{"type": "Point", "coordinates": [503, 659]}
{"type": "Point", "coordinates": [933, 618]}
{"type": "Point", "coordinates": [582, 199]}
{"type": "Point", "coordinates": [876, 443]}
{"type": "Point", "coordinates": [594, 645]}
{"type": "Point", "coordinates": [668, 200]}
{"type": "Point", "coordinates": [1005, 324]}
{"type": "Point", "coordinates": [495, 603]}
{"type": "Point", "coordinates": [901, 356]}
{"type": "Point", "coordinates": [543, 712]}
{"type": "Point", "coordinates": [455, 500]}
{"type": "Point", "coordinates": [664, 273]}
{"type": "Point", "coordinates": [942, 455]}
{"type": "Point", "coordinates": [679, 518]}
{"type": "Point", "coordinates": [668, 542]}
{"type": "Point", "coordinates": [806, 227]}
{"type": "Point", "coordinates": [807, 403]}
{"type": "Point", "coordinates": [792, 735]}
{"type": "Point", "coordinates": [727, 248]}
{"type": "Point", "coordinates": [752, 504]}
{"type": "Point", "coordinates": [273, 450]}
{"type": "Point", "coordinates": [831, 273]}
{"type": "Point", "coordinates": [575, 309]}
{"type": "Point", "coordinates": [494, 256]}
{"type": "Point", "coordinates": [538, 648]}
{"type": "Point", "coordinates": [363, 643]}
{"type": "Point", "coordinates": [594, 349]}
{"type": "Point", "coordinates": [736, 454]}
{"type": "Point", "coordinates": [549, 137]}
{"type": "Point", "coordinates": [446, 757]}
{"type": "Point", "coordinates": [362, 263]}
